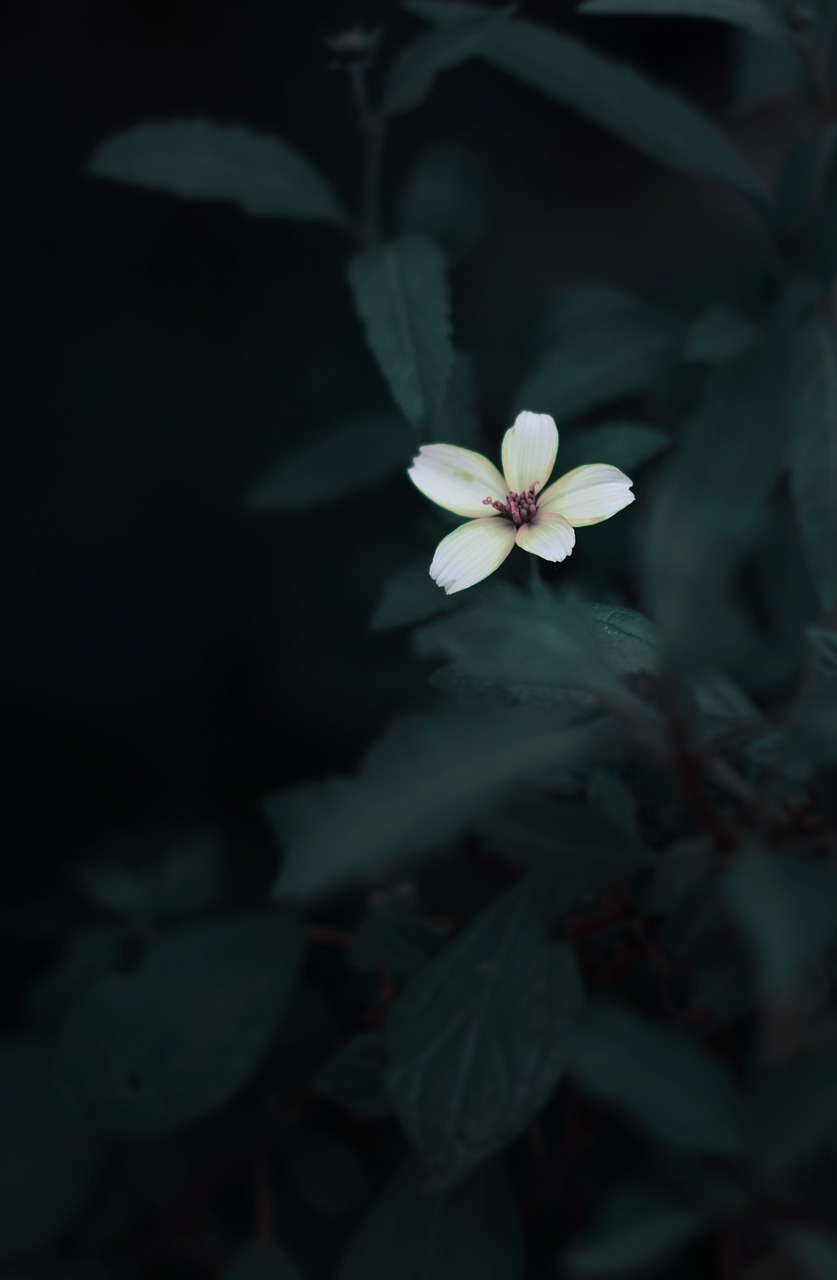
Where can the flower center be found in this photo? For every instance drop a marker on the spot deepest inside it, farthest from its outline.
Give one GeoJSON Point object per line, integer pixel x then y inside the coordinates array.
{"type": "Point", "coordinates": [519, 507]}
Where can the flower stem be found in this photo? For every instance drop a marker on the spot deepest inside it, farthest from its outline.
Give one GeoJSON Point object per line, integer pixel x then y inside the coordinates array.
{"type": "Point", "coordinates": [373, 132]}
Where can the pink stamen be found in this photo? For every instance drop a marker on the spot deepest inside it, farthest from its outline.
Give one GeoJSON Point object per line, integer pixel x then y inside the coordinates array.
{"type": "Point", "coordinates": [519, 507]}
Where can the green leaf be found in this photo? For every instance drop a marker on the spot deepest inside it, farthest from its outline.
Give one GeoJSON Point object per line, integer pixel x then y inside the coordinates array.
{"type": "Point", "coordinates": [328, 1174]}
{"type": "Point", "coordinates": [90, 954]}
{"type": "Point", "coordinates": [606, 92]}
{"type": "Point", "coordinates": [356, 1079]}
{"type": "Point", "coordinates": [150, 1048]}
{"type": "Point", "coordinates": [823, 646]}
{"type": "Point", "coordinates": [626, 445]}
{"type": "Point", "coordinates": [813, 452]}
{"type": "Point", "coordinates": [351, 457]}
{"type": "Point", "coordinates": [719, 334]}
{"type": "Point", "coordinates": [444, 198]}
{"type": "Point", "coordinates": [413, 1233]}
{"type": "Point", "coordinates": [765, 73]}
{"type": "Point", "coordinates": [638, 1227]}
{"type": "Point", "coordinates": [401, 294]}
{"type": "Point", "coordinates": [658, 1077]}
{"type": "Point", "coordinates": [415, 68]}
{"type": "Point", "coordinates": [456, 422]}
{"type": "Point", "coordinates": [156, 877]}
{"type": "Point", "coordinates": [815, 1249]}
{"type": "Point", "coordinates": [754, 16]}
{"type": "Point", "coordinates": [47, 1159]}
{"type": "Point", "coordinates": [411, 596]}
{"type": "Point", "coordinates": [261, 1260]}
{"type": "Point", "coordinates": [786, 907]}
{"type": "Point", "coordinates": [477, 1040]}
{"type": "Point", "coordinates": [199, 160]}
{"type": "Point", "coordinates": [423, 782]}
{"type": "Point", "coordinates": [394, 935]}
{"type": "Point", "coordinates": [792, 1116]}
{"type": "Point", "coordinates": [620, 348]}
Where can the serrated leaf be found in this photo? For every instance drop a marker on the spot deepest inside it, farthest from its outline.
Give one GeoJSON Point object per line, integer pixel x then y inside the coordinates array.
{"type": "Point", "coordinates": [618, 349]}
{"type": "Point", "coordinates": [813, 452]}
{"type": "Point", "coordinates": [456, 422]}
{"type": "Point", "coordinates": [607, 92]}
{"type": "Point", "coordinates": [638, 1227]}
{"type": "Point", "coordinates": [356, 1079]}
{"type": "Point", "coordinates": [47, 1158]}
{"type": "Point", "coordinates": [719, 334]}
{"type": "Point", "coordinates": [816, 1250]}
{"type": "Point", "coordinates": [261, 1260]}
{"type": "Point", "coordinates": [350, 457]}
{"type": "Point", "coordinates": [415, 68]}
{"type": "Point", "coordinates": [148, 1049]}
{"type": "Point", "coordinates": [823, 646]}
{"type": "Point", "coordinates": [414, 1233]}
{"type": "Point", "coordinates": [476, 1042]}
{"type": "Point", "coordinates": [201, 160]}
{"type": "Point", "coordinates": [423, 782]}
{"type": "Point", "coordinates": [401, 294]}
{"type": "Point", "coordinates": [754, 16]}
{"type": "Point", "coordinates": [658, 1077]}
{"type": "Point", "coordinates": [626, 445]}
{"type": "Point", "coordinates": [786, 907]}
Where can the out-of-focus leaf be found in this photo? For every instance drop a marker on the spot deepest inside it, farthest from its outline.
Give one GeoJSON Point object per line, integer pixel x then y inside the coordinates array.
{"type": "Point", "coordinates": [638, 1227]}
{"type": "Point", "coordinates": [394, 935]}
{"type": "Point", "coordinates": [90, 954]}
{"type": "Point", "coordinates": [786, 907]}
{"type": "Point", "coordinates": [658, 1077]}
{"type": "Point", "coordinates": [444, 198]}
{"type": "Point", "coordinates": [764, 73]}
{"type": "Point", "coordinates": [815, 1249]}
{"type": "Point", "coordinates": [261, 1260]}
{"type": "Point", "coordinates": [724, 706]}
{"type": "Point", "coordinates": [162, 877]}
{"type": "Point", "coordinates": [611, 94]}
{"type": "Point", "coordinates": [200, 160]}
{"type": "Point", "coordinates": [622, 347]}
{"type": "Point", "coordinates": [813, 451]}
{"type": "Point", "coordinates": [823, 646]}
{"type": "Point", "coordinates": [477, 1042]}
{"type": "Point", "coordinates": [683, 867]}
{"type": "Point", "coordinates": [356, 1078]}
{"type": "Point", "coordinates": [351, 457]}
{"type": "Point", "coordinates": [411, 596]}
{"type": "Point", "coordinates": [415, 68]}
{"type": "Point", "coordinates": [792, 1116]}
{"type": "Point", "coordinates": [456, 422]}
{"type": "Point", "coordinates": [401, 294]}
{"type": "Point", "coordinates": [328, 1174]}
{"type": "Point", "coordinates": [425, 780]}
{"type": "Point", "coordinates": [621, 444]}
{"type": "Point", "coordinates": [146, 1050]}
{"type": "Point", "coordinates": [755, 16]}
{"type": "Point", "coordinates": [47, 1158]}
{"type": "Point", "coordinates": [615, 801]}
{"type": "Point", "coordinates": [719, 334]}
{"type": "Point", "coordinates": [414, 1233]}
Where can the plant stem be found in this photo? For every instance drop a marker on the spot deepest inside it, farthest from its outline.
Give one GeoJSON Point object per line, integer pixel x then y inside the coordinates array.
{"type": "Point", "coordinates": [373, 132]}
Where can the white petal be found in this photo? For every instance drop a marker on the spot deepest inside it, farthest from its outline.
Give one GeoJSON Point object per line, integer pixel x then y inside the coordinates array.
{"type": "Point", "coordinates": [457, 479]}
{"type": "Point", "coordinates": [550, 536]}
{"type": "Point", "coordinates": [588, 494]}
{"type": "Point", "coordinates": [471, 553]}
{"type": "Point", "coordinates": [529, 450]}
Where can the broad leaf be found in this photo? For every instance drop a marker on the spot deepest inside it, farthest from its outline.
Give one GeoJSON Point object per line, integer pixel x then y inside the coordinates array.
{"type": "Point", "coordinates": [150, 1048]}
{"type": "Point", "coordinates": [626, 445]}
{"type": "Point", "coordinates": [350, 457]}
{"type": "Point", "coordinates": [608, 92]}
{"type": "Point", "coordinates": [401, 294]}
{"type": "Point", "coordinates": [638, 1228]}
{"type": "Point", "coordinates": [397, 937]}
{"type": "Point", "coordinates": [414, 1233]}
{"type": "Point", "coordinates": [356, 1076]}
{"type": "Point", "coordinates": [477, 1041]}
{"type": "Point", "coordinates": [423, 782]}
{"type": "Point", "coordinates": [261, 1260]}
{"type": "Point", "coordinates": [658, 1077]}
{"type": "Point", "coordinates": [754, 16]}
{"type": "Point", "coordinates": [413, 71]}
{"type": "Point", "coordinates": [786, 907]}
{"type": "Point", "coordinates": [719, 334]}
{"type": "Point", "coordinates": [813, 452]}
{"type": "Point", "coordinates": [47, 1158]}
{"type": "Point", "coordinates": [411, 596]}
{"type": "Point", "coordinates": [200, 160]}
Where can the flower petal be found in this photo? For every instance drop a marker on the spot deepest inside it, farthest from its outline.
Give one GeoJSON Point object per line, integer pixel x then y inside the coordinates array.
{"type": "Point", "coordinates": [471, 553]}
{"type": "Point", "coordinates": [588, 494]}
{"type": "Point", "coordinates": [457, 479]}
{"type": "Point", "coordinates": [549, 536]}
{"type": "Point", "coordinates": [529, 451]}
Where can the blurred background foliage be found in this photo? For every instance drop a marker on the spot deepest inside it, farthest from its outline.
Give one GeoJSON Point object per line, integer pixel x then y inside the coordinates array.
{"type": "Point", "coordinates": [352, 930]}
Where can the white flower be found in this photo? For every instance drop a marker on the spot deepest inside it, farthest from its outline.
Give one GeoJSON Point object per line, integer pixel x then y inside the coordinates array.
{"type": "Point", "coordinates": [513, 507]}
